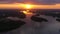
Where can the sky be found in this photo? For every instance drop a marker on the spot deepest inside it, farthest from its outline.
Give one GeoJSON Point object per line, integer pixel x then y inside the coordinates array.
{"type": "Point", "coordinates": [37, 4]}
{"type": "Point", "coordinates": [32, 1]}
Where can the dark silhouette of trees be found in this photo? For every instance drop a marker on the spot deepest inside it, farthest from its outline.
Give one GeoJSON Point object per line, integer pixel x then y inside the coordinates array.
{"type": "Point", "coordinates": [38, 19]}
{"type": "Point", "coordinates": [11, 13]}
{"type": "Point", "coordinates": [7, 24]}
{"type": "Point", "coordinates": [58, 20]}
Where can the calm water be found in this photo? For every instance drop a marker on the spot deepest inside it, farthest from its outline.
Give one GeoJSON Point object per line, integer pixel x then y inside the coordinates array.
{"type": "Point", "coordinates": [32, 27]}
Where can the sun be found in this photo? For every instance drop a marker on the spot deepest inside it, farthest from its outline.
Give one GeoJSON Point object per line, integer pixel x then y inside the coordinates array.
{"type": "Point", "coordinates": [28, 6]}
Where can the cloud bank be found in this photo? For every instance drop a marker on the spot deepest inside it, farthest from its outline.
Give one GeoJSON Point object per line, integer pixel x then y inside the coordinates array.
{"type": "Point", "coordinates": [32, 1]}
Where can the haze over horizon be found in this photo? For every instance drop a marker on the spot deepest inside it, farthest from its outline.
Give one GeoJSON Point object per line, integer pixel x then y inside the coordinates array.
{"type": "Point", "coordinates": [23, 6]}
{"type": "Point", "coordinates": [37, 4]}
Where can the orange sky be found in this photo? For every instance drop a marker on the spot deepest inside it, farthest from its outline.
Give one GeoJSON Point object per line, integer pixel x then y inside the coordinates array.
{"type": "Point", "coordinates": [21, 6]}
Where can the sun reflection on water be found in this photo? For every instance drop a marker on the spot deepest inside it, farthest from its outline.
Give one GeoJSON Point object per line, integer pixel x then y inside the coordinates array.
{"type": "Point", "coordinates": [27, 12]}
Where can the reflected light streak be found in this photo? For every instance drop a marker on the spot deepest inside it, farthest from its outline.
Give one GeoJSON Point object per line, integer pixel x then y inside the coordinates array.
{"type": "Point", "coordinates": [27, 12]}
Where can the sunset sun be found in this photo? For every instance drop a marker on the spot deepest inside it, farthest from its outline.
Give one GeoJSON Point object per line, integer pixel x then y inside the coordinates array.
{"type": "Point", "coordinates": [28, 6]}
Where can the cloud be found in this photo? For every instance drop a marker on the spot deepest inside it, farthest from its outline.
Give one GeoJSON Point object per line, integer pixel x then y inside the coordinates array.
{"type": "Point", "coordinates": [33, 1]}
{"type": "Point", "coordinates": [41, 1]}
